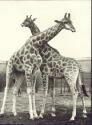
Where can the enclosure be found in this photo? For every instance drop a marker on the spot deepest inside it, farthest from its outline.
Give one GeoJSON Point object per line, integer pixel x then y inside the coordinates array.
{"type": "Point", "coordinates": [63, 101]}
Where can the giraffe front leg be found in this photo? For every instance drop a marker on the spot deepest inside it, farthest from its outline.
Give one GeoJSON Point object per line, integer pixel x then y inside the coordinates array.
{"type": "Point", "coordinates": [53, 99]}
{"type": "Point", "coordinates": [28, 74]}
{"type": "Point", "coordinates": [45, 82]}
{"type": "Point", "coordinates": [34, 105]}
{"type": "Point", "coordinates": [29, 92]}
{"type": "Point", "coordinates": [14, 102]}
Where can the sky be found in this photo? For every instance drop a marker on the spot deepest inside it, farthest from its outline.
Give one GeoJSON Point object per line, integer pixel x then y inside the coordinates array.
{"type": "Point", "coordinates": [69, 44]}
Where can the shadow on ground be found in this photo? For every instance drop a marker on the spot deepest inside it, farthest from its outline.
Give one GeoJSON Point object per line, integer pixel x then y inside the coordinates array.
{"type": "Point", "coordinates": [62, 118]}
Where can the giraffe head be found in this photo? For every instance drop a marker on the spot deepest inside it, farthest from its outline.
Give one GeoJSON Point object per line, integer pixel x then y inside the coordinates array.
{"type": "Point", "coordinates": [67, 23]}
{"type": "Point", "coordinates": [28, 22]}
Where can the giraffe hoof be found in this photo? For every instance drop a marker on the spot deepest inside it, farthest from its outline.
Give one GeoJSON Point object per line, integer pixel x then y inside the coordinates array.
{"type": "Point", "coordinates": [15, 113]}
{"type": "Point", "coordinates": [31, 118]}
{"type": "Point", "coordinates": [40, 116]}
{"type": "Point", "coordinates": [84, 116]}
{"type": "Point", "coordinates": [53, 114]}
{"type": "Point", "coordinates": [36, 117]}
{"type": "Point", "coordinates": [72, 119]}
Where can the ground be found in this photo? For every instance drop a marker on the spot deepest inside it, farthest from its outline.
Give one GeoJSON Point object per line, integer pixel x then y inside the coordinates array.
{"type": "Point", "coordinates": [63, 111]}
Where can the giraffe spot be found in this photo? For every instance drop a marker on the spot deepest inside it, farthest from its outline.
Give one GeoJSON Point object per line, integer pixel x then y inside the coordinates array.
{"type": "Point", "coordinates": [51, 70]}
{"type": "Point", "coordinates": [34, 40]}
{"type": "Point", "coordinates": [50, 64]}
{"type": "Point", "coordinates": [36, 52]}
{"type": "Point", "coordinates": [54, 64]}
{"type": "Point", "coordinates": [20, 67]}
{"type": "Point", "coordinates": [31, 50]}
{"type": "Point", "coordinates": [21, 59]}
{"type": "Point", "coordinates": [17, 54]}
{"type": "Point", "coordinates": [44, 60]}
{"type": "Point", "coordinates": [45, 50]}
{"type": "Point", "coordinates": [50, 37]}
{"type": "Point", "coordinates": [24, 58]}
{"type": "Point", "coordinates": [26, 52]}
{"type": "Point", "coordinates": [42, 36]}
{"type": "Point", "coordinates": [46, 69]}
{"type": "Point", "coordinates": [22, 52]}
{"type": "Point", "coordinates": [48, 32]}
{"type": "Point", "coordinates": [59, 62]}
{"type": "Point", "coordinates": [69, 67]}
{"type": "Point", "coordinates": [40, 43]}
{"type": "Point", "coordinates": [47, 38]}
{"type": "Point", "coordinates": [15, 58]}
{"type": "Point", "coordinates": [61, 70]}
{"type": "Point", "coordinates": [27, 62]}
{"type": "Point", "coordinates": [38, 38]}
{"type": "Point", "coordinates": [51, 34]}
{"type": "Point", "coordinates": [28, 56]}
{"type": "Point", "coordinates": [27, 47]}
{"type": "Point", "coordinates": [17, 61]}
{"type": "Point", "coordinates": [31, 60]}
{"type": "Point", "coordinates": [57, 70]}
{"type": "Point", "coordinates": [50, 59]}
{"type": "Point", "coordinates": [63, 59]}
{"type": "Point", "coordinates": [64, 64]}
{"type": "Point", "coordinates": [47, 56]}
{"type": "Point", "coordinates": [57, 66]}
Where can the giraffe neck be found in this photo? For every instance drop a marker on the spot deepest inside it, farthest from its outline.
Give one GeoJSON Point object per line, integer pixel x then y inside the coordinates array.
{"type": "Point", "coordinates": [45, 36]}
{"type": "Point", "coordinates": [34, 29]}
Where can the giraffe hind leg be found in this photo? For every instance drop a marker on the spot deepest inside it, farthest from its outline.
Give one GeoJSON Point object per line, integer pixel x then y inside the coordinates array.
{"type": "Point", "coordinates": [74, 96]}
{"type": "Point", "coordinates": [80, 87]}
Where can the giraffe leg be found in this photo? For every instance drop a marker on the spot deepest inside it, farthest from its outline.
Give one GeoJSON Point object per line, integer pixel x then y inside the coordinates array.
{"type": "Point", "coordinates": [14, 101]}
{"type": "Point", "coordinates": [34, 105]}
{"type": "Point", "coordinates": [84, 108]}
{"type": "Point", "coordinates": [82, 96]}
{"type": "Point", "coordinates": [15, 92]}
{"type": "Point", "coordinates": [74, 96]}
{"type": "Point", "coordinates": [53, 98]}
{"type": "Point", "coordinates": [45, 82]}
{"type": "Point", "coordinates": [4, 100]}
{"type": "Point", "coordinates": [28, 74]}
{"type": "Point", "coordinates": [6, 90]}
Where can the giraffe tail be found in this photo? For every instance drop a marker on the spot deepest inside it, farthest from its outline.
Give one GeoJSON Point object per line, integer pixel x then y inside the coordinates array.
{"type": "Point", "coordinates": [82, 86]}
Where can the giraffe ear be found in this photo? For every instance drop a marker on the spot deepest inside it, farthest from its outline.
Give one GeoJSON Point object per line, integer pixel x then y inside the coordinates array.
{"type": "Point", "coordinates": [34, 19]}
{"type": "Point", "coordinates": [57, 21]}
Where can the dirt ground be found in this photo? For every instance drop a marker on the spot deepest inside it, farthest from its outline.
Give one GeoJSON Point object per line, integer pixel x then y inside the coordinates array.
{"type": "Point", "coordinates": [63, 111]}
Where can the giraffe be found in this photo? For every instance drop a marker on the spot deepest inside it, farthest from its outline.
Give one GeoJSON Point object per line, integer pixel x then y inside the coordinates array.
{"type": "Point", "coordinates": [62, 64]}
{"type": "Point", "coordinates": [28, 60]}
{"type": "Point", "coordinates": [29, 22]}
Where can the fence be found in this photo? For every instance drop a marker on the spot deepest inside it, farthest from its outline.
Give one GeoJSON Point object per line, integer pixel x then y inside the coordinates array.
{"type": "Point", "coordinates": [61, 83]}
